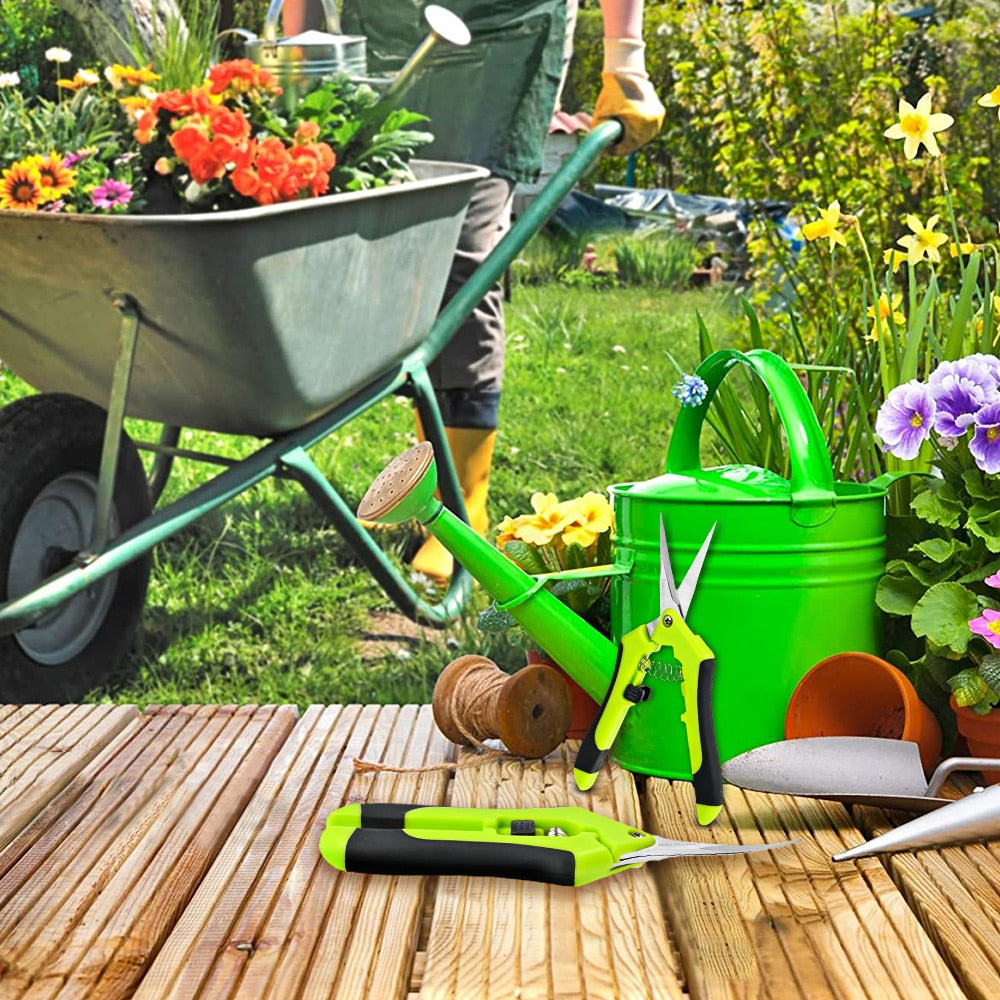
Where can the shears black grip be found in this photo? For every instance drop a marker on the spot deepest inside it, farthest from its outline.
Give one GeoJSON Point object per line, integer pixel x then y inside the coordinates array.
{"type": "Point", "coordinates": [384, 851]}
{"type": "Point", "coordinates": [590, 757]}
{"type": "Point", "coordinates": [707, 779]}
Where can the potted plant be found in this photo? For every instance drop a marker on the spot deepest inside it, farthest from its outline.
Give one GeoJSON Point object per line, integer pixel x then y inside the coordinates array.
{"type": "Point", "coordinates": [553, 543]}
{"type": "Point", "coordinates": [945, 585]}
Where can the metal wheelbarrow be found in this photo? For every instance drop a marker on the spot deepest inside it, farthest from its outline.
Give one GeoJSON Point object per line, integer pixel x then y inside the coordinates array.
{"type": "Point", "coordinates": [281, 322]}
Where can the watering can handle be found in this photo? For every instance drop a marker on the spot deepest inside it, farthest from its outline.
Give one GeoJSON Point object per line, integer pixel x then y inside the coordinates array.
{"type": "Point", "coordinates": [813, 496]}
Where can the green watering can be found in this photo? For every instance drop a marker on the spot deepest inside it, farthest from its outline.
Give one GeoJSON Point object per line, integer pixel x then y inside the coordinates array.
{"type": "Point", "coordinates": [789, 579]}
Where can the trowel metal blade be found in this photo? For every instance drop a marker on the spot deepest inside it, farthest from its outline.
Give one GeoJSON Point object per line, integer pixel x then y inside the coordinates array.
{"type": "Point", "coordinates": [857, 769]}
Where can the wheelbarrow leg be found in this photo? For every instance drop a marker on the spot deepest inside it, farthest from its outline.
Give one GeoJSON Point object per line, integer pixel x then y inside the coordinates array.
{"type": "Point", "coordinates": [297, 464]}
{"type": "Point", "coordinates": [159, 473]}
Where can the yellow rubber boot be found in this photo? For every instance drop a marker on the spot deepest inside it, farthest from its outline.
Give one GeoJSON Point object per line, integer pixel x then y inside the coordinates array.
{"type": "Point", "coordinates": [472, 453]}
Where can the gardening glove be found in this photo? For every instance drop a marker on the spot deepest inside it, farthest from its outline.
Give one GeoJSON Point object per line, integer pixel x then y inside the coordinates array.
{"type": "Point", "coordinates": [627, 95]}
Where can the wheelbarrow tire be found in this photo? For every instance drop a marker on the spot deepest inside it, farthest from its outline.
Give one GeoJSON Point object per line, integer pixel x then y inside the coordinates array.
{"type": "Point", "coordinates": [50, 454]}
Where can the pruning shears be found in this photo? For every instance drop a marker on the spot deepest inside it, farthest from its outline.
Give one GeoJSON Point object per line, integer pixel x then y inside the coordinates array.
{"type": "Point", "coordinates": [566, 845]}
{"type": "Point", "coordinates": [697, 662]}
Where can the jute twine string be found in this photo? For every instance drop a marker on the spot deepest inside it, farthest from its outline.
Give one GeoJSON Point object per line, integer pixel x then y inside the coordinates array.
{"type": "Point", "coordinates": [468, 708]}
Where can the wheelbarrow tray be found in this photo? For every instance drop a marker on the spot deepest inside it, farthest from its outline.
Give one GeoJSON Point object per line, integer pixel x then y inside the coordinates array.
{"type": "Point", "coordinates": [253, 321]}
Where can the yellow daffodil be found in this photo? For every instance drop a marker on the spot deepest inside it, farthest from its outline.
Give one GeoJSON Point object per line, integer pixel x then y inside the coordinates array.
{"type": "Point", "coordinates": [893, 258]}
{"type": "Point", "coordinates": [922, 241]}
{"type": "Point", "coordinates": [886, 312]}
{"type": "Point", "coordinates": [991, 100]}
{"type": "Point", "coordinates": [917, 125]}
{"type": "Point", "coordinates": [825, 227]}
{"type": "Point", "coordinates": [962, 249]}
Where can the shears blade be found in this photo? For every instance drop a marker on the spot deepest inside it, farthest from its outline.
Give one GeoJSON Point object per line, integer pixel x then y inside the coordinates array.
{"type": "Point", "coordinates": [665, 848]}
{"type": "Point", "coordinates": [671, 595]}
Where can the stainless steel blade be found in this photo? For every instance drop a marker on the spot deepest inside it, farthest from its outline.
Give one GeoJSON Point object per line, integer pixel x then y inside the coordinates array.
{"type": "Point", "coordinates": [858, 769]}
{"type": "Point", "coordinates": [665, 848]}
{"type": "Point", "coordinates": [672, 595]}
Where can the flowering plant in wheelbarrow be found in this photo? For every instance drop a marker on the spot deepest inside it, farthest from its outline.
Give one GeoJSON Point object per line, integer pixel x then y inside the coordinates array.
{"type": "Point", "coordinates": [117, 144]}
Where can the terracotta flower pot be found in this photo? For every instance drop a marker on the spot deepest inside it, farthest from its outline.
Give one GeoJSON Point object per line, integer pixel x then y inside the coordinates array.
{"type": "Point", "coordinates": [584, 708]}
{"type": "Point", "coordinates": [982, 733]}
{"type": "Point", "coordinates": [857, 694]}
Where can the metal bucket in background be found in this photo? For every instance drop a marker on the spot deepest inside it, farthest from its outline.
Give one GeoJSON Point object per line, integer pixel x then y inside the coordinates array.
{"type": "Point", "coordinates": [789, 579]}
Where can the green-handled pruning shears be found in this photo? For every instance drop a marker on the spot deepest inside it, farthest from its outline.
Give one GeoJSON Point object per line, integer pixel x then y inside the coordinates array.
{"type": "Point", "coordinates": [697, 661]}
{"type": "Point", "coordinates": [563, 845]}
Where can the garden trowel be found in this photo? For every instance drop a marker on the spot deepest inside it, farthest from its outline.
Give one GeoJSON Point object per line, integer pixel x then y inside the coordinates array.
{"type": "Point", "coordinates": [864, 770]}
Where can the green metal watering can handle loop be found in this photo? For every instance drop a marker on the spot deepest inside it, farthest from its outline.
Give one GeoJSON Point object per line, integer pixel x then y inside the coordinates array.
{"type": "Point", "coordinates": [812, 487]}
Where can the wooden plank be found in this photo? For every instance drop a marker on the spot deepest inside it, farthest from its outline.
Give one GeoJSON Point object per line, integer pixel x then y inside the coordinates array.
{"type": "Point", "coordinates": [492, 938]}
{"type": "Point", "coordinates": [271, 918]}
{"type": "Point", "coordinates": [789, 922]}
{"type": "Point", "coordinates": [955, 893]}
{"type": "Point", "coordinates": [43, 748]}
{"type": "Point", "coordinates": [94, 885]}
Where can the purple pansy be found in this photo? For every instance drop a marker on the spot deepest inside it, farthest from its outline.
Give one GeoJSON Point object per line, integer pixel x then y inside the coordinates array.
{"type": "Point", "coordinates": [985, 444]}
{"type": "Point", "coordinates": [111, 194]}
{"type": "Point", "coordinates": [906, 418]}
{"type": "Point", "coordinates": [988, 626]}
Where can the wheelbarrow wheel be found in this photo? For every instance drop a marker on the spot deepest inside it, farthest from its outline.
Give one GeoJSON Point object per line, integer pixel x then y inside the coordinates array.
{"type": "Point", "coordinates": [50, 456]}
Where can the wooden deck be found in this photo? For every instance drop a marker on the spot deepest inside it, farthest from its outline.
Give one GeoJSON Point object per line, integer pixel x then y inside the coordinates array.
{"type": "Point", "coordinates": [173, 854]}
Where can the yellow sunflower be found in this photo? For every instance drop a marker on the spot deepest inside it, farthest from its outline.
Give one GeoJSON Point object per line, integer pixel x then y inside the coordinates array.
{"type": "Point", "coordinates": [20, 187]}
{"type": "Point", "coordinates": [54, 179]}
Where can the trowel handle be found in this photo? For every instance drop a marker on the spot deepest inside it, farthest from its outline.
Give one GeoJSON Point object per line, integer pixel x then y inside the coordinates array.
{"type": "Point", "coordinates": [951, 765]}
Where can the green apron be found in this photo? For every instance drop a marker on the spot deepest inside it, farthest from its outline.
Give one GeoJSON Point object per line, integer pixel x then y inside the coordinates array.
{"type": "Point", "coordinates": [490, 102]}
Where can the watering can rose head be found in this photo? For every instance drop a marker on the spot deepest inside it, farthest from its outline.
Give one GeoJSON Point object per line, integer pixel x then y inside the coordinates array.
{"type": "Point", "coordinates": [947, 582]}
{"type": "Point", "coordinates": [556, 537]}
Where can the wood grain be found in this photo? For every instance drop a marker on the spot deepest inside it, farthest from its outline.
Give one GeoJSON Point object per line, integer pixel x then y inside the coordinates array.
{"type": "Point", "coordinates": [272, 918]}
{"type": "Point", "coordinates": [493, 938]}
{"type": "Point", "coordinates": [789, 922]}
{"type": "Point", "coordinates": [91, 888]}
{"type": "Point", "coordinates": [43, 748]}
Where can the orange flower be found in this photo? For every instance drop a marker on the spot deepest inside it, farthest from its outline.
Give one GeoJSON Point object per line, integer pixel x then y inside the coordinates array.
{"type": "Point", "coordinates": [54, 179]}
{"type": "Point", "coordinates": [189, 141]}
{"type": "Point", "coordinates": [20, 187]}
{"type": "Point", "coordinates": [240, 76]}
{"type": "Point", "coordinates": [206, 166]}
{"type": "Point", "coordinates": [306, 132]}
{"type": "Point", "coordinates": [231, 124]}
{"type": "Point", "coordinates": [145, 127]}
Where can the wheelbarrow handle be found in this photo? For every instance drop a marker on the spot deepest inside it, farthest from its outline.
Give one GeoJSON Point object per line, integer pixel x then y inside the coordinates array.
{"type": "Point", "coordinates": [535, 216]}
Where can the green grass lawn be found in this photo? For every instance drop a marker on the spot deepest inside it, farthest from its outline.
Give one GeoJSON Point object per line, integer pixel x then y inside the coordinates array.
{"type": "Point", "coordinates": [261, 601]}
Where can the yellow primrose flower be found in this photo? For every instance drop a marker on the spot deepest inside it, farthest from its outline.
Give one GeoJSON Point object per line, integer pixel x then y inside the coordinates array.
{"type": "Point", "coordinates": [923, 242]}
{"type": "Point", "coordinates": [590, 517]}
{"type": "Point", "coordinates": [542, 502]}
{"type": "Point", "coordinates": [917, 126]}
{"type": "Point", "coordinates": [887, 312]}
{"type": "Point", "coordinates": [991, 100]}
{"type": "Point", "coordinates": [825, 227]}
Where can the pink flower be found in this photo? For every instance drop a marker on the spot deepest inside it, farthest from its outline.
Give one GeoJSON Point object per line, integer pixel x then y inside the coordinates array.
{"type": "Point", "coordinates": [988, 626]}
{"type": "Point", "coordinates": [993, 581]}
{"type": "Point", "coordinates": [111, 194]}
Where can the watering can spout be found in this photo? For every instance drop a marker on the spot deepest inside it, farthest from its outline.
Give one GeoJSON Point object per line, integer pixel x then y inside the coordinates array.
{"type": "Point", "coordinates": [406, 489]}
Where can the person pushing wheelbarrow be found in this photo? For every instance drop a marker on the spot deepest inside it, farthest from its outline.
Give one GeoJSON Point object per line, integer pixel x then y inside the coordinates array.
{"type": "Point", "coordinates": [490, 104]}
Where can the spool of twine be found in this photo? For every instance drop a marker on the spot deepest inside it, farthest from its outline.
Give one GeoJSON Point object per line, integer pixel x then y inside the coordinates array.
{"type": "Point", "coordinates": [529, 711]}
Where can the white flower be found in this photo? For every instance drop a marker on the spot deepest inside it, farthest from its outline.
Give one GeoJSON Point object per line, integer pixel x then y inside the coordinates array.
{"type": "Point", "coordinates": [9, 80]}
{"type": "Point", "coordinates": [88, 77]}
{"type": "Point", "coordinates": [58, 55]}
{"type": "Point", "coordinates": [618, 349]}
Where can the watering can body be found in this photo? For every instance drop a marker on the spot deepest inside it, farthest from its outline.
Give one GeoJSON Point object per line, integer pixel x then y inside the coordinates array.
{"type": "Point", "coordinates": [790, 577]}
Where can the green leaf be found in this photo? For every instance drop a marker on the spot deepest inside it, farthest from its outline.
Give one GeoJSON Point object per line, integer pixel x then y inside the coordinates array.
{"type": "Point", "coordinates": [938, 550]}
{"type": "Point", "coordinates": [975, 485]}
{"type": "Point", "coordinates": [943, 615]}
{"type": "Point", "coordinates": [939, 506]}
{"type": "Point", "coordinates": [526, 556]}
{"type": "Point", "coordinates": [989, 669]}
{"type": "Point", "coordinates": [493, 619]}
{"type": "Point", "coordinates": [897, 595]}
{"type": "Point", "coordinates": [984, 522]}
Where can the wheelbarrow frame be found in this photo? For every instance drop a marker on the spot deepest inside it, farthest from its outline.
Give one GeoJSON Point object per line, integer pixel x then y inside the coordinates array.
{"type": "Point", "coordinates": [285, 456]}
